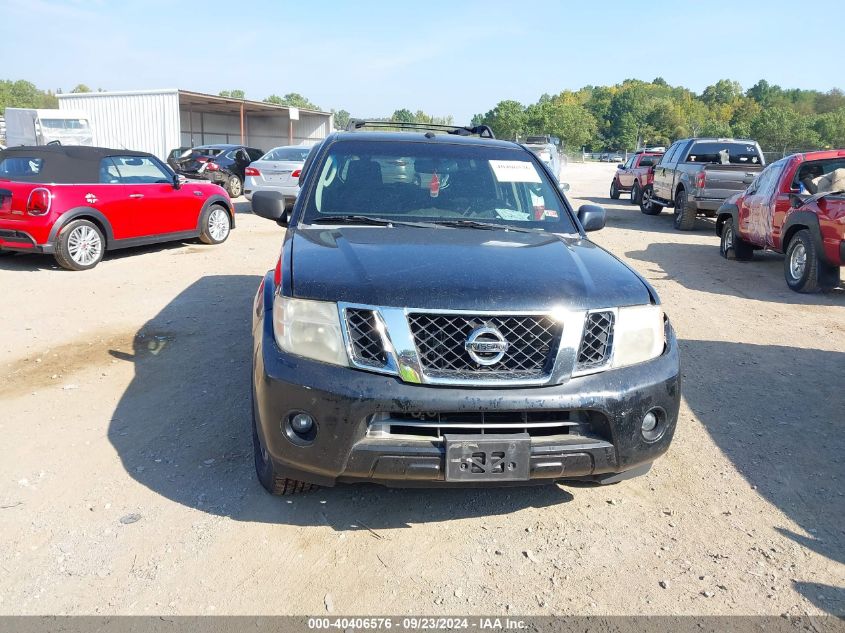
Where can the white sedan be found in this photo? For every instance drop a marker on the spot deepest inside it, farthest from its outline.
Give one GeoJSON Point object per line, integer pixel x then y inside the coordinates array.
{"type": "Point", "coordinates": [277, 170]}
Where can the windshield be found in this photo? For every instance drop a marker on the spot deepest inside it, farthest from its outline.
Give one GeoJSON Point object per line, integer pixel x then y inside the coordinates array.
{"type": "Point", "coordinates": [297, 154]}
{"type": "Point", "coordinates": [65, 124]}
{"type": "Point", "coordinates": [439, 182]}
{"type": "Point", "coordinates": [724, 153]}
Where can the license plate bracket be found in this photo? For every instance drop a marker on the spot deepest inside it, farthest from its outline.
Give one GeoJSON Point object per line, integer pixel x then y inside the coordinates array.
{"type": "Point", "coordinates": [488, 458]}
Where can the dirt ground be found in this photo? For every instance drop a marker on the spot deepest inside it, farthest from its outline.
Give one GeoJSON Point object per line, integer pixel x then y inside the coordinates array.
{"type": "Point", "coordinates": [127, 485]}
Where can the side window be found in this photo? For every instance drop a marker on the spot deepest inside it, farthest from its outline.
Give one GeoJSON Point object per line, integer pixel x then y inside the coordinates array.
{"type": "Point", "coordinates": [138, 170]}
{"type": "Point", "coordinates": [254, 154]}
{"type": "Point", "coordinates": [630, 162]}
{"type": "Point", "coordinates": [108, 172]}
{"type": "Point", "coordinates": [669, 155]}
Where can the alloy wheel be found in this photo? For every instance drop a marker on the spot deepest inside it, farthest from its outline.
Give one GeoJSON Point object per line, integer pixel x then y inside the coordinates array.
{"type": "Point", "coordinates": [798, 261]}
{"type": "Point", "coordinates": [84, 245]}
{"type": "Point", "coordinates": [218, 224]}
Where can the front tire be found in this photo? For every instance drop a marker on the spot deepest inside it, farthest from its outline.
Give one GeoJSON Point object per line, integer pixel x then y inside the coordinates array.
{"type": "Point", "coordinates": [804, 269]}
{"type": "Point", "coordinates": [234, 187]}
{"type": "Point", "coordinates": [636, 192]}
{"type": "Point", "coordinates": [647, 203]}
{"type": "Point", "coordinates": [216, 224]}
{"type": "Point", "coordinates": [732, 246]}
{"type": "Point", "coordinates": [614, 190]}
{"type": "Point", "coordinates": [684, 216]}
{"type": "Point", "coordinates": [80, 245]}
{"type": "Point", "coordinates": [273, 482]}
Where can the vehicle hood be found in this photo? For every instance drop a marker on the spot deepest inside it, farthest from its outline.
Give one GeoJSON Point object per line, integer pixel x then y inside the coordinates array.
{"type": "Point", "coordinates": [465, 269]}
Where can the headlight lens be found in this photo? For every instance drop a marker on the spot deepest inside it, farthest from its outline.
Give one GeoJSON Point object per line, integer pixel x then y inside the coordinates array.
{"type": "Point", "coordinates": [638, 335]}
{"type": "Point", "coordinates": [309, 328]}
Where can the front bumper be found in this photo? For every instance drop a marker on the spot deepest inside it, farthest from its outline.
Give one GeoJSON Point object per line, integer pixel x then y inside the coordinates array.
{"type": "Point", "coordinates": [343, 401]}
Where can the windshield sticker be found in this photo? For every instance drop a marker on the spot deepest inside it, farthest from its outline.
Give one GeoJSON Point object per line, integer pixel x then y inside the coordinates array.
{"type": "Point", "coordinates": [514, 171]}
{"type": "Point", "coordinates": [510, 214]}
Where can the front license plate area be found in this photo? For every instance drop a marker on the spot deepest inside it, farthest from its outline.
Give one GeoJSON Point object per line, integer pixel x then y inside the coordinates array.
{"type": "Point", "coordinates": [488, 457]}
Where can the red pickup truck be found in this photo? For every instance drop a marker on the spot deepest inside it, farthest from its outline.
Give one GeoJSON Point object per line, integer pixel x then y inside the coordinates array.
{"type": "Point", "coordinates": [78, 202]}
{"type": "Point", "coordinates": [795, 206]}
{"type": "Point", "coordinates": [635, 175]}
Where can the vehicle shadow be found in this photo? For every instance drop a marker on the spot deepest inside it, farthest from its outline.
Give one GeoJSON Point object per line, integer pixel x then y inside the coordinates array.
{"type": "Point", "coordinates": [788, 446]}
{"type": "Point", "coordinates": [182, 427]}
{"type": "Point", "coordinates": [242, 205]}
{"type": "Point", "coordinates": [33, 261]}
{"type": "Point", "coordinates": [700, 267]}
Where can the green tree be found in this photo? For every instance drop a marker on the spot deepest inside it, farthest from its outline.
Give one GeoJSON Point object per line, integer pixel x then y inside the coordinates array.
{"type": "Point", "coordinates": [293, 99]}
{"type": "Point", "coordinates": [570, 122]}
{"type": "Point", "coordinates": [341, 119]}
{"type": "Point", "coordinates": [23, 94]}
{"type": "Point", "coordinates": [403, 116]}
{"type": "Point", "coordinates": [781, 128]}
{"type": "Point", "coordinates": [722, 92]}
{"type": "Point", "coordinates": [81, 88]}
{"type": "Point", "coordinates": [830, 127]}
{"type": "Point", "coordinates": [508, 119]}
{"type": "Point", "coordinates": [233, 94]}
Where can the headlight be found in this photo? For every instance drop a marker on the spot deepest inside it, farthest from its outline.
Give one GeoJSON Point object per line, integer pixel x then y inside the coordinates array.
{"type": "Point", "coordinates": [309, 328]}
{"type": "Point", "coordinates": [638, 335]}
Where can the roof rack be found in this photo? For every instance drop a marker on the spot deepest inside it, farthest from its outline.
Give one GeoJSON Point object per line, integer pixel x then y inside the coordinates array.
{"type": "Point", "coordinates": [482, 131]}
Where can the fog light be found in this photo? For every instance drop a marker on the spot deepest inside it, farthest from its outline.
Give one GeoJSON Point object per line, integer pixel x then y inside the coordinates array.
{"type": "Point", "coordinates": [300, 428]}
{"type": "Point", "coordinates": [649, 422]}
{"type": "Point", "coordinates": [302, 423]}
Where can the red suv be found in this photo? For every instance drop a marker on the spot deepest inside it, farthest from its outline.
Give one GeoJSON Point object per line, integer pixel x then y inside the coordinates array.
{"type": "Point", "coordinates": [78, 202]}
{"type": "Point", "coordinates": [795, 206]}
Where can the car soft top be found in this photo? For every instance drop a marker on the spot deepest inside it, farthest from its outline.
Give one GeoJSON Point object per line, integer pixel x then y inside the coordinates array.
{"type": "Point", "coordinates": [69, 164]}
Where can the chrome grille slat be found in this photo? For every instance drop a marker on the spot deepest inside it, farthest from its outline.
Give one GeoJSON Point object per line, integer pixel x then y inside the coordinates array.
{"type": "Point", "coordinates": [597, 341]}
{"type": "Point", "coordinates": [440, 341]}
{"type": "Point", "coordinates": [435, 424]}
{"type": "Point", "coordinates": [366, 343]}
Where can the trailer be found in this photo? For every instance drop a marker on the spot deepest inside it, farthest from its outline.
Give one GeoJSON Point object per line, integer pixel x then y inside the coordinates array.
{"type": "Point", "coordinates": [33, 126]}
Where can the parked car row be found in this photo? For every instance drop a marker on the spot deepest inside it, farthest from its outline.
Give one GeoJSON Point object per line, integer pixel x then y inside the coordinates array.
{"type": "Point", "coordinates": [795, 206]}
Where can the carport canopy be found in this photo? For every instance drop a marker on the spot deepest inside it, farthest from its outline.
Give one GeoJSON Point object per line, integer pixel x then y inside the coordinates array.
{"type": "Point", "coordinates": [208, 119]}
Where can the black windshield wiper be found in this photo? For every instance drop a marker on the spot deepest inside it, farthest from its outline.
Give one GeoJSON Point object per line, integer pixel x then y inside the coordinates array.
{"type": "Point", "coordinates": [366, 219]}
{"type": "Point", "coordinates": [487, 226]}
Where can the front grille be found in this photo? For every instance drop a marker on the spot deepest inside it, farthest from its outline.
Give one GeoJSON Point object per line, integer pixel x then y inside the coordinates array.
{"type": "Point", "coordinates": [367, 346]}
{"type": "Point", "coordinates": [597, 342]}
{"type": "Point", "coordinates": [434, 425]}
{"type": "Point", "coordinates": [441, 338]}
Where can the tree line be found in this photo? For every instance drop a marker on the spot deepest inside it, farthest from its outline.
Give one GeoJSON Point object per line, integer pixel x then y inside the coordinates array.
{"type": "Point", "coordinates": [625, 116]}
{"type": "Point", "coordinates": [636, 113]}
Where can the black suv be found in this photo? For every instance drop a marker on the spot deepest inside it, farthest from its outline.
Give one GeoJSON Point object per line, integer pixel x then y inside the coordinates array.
{"type": "Point", "coordinates": [453, 329]}
{"type": "Point", "coordinates": [221, 164]}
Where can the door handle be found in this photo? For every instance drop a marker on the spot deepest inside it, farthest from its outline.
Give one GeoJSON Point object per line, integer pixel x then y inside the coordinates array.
{"type": "Point", "coordinates": [136, 195]}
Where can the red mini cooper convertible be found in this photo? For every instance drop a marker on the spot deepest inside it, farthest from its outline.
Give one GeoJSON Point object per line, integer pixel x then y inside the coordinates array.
{"type": "Point", "coordinates": [78, 202]}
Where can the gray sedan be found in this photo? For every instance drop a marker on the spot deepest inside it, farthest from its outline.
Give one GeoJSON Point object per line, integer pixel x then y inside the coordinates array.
{"type": "Point", "coordinates": [277, 170]}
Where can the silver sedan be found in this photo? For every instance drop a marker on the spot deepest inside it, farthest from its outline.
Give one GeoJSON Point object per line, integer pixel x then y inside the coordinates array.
{"type": "Point", "coordinates": [277, 170]}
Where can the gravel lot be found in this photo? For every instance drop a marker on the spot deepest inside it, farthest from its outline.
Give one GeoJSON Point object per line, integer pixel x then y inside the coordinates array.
{"type": "Point", "coordinates": [127, 486]}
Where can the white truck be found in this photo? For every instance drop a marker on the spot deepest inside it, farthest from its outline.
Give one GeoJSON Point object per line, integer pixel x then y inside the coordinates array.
{"type": "Point", "coordinates": [31, 126]}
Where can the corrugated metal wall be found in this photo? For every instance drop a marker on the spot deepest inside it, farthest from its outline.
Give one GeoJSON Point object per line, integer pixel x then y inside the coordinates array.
{"type": "Point", "coordinates": [145, 121]}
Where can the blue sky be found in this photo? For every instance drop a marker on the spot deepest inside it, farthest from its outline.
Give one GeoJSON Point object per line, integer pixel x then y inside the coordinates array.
{"type": "Point", "coordinates": [457, 57]}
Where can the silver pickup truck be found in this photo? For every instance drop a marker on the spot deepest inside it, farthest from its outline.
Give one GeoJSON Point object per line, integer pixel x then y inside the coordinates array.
{"type": "Point", "coordinates": [696, 175]}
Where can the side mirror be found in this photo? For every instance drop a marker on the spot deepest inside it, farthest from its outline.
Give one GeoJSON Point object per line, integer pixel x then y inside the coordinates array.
{"type": "Point", "coordinates": [177, 184]}
{"type": "Point", "coordinates": [564, 186]}
{"type": "Point", "coordinates": [273, 205]}
{"type": "Point", "coordinates": [620, 166]}
{"type": "Point", "coordinates": [592, 217]}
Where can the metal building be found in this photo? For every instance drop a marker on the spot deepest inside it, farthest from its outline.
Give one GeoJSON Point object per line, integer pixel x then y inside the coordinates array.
{"type": "Point", "coordinates": [158, 121]}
